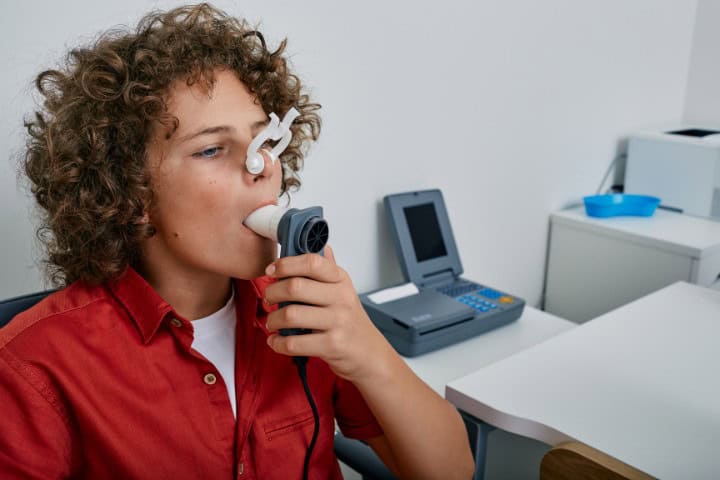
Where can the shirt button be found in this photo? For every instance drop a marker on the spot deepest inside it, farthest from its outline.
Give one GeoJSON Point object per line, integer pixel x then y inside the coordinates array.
{"type": "Point", "coordinates": [175, 322]}
{"type": "Point", "coordinates": [240, 469]}
{"type": "Point", "coordinates": [210, 378]}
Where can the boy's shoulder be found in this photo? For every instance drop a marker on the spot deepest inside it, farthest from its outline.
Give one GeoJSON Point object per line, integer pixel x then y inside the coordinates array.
{"type": "Point", "coordinates": [56, 312]}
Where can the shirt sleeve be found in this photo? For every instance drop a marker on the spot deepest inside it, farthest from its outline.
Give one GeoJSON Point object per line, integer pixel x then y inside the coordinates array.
{"type": "Point", "coordinates": [34, 439]}
{"type": "Point", "coordinates": [353, 415]}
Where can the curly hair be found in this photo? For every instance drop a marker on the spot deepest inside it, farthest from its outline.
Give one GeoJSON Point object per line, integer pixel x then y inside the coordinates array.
{"type": "Point", "coordinates": [86, 150]}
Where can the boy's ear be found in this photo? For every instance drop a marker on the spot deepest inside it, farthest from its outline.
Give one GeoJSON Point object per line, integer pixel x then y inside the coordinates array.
{"type": "Point", "coordinates": [145, 219]}
{"type": "Point", "coordinates": [146, 225]}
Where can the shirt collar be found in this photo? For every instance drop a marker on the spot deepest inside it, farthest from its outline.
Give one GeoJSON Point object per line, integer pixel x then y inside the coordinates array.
{"type": "Point", "coordinates": [258, 287]}
{"type": "Point", "coordinates": [261, 309]}
{"type": "Point", "coordinates": [145, 307]}
{"type": "Point", "coordinates": [148, 309]}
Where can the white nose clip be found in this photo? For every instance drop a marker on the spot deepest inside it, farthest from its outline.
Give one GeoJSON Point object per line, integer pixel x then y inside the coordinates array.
{"type": "Point", "coordinates": [276, 130]}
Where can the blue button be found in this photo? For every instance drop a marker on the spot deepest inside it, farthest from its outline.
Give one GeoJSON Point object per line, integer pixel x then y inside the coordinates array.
{"type": "Point", "coordinates": [490, 293]}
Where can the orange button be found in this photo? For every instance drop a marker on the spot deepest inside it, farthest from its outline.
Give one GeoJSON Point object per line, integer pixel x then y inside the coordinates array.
{"type": "Point", "coordinates": [506, 299]}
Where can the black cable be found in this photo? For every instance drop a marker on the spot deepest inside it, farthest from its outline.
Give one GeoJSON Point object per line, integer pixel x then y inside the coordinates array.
{"type": "Point", "coordinates": [609, 169]}
{"type": "Point", "coordinates": [301, 363]}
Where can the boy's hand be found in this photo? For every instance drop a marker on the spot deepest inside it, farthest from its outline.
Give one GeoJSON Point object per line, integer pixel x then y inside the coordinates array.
{"type": "Point", "coordinates": [423, 438]}
{"type": "Point", "coordinates": [343, 335]}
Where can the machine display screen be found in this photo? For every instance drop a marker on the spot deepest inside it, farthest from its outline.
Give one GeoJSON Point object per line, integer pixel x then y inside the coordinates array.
{"type": "Point", "coordinates": [425, 232]}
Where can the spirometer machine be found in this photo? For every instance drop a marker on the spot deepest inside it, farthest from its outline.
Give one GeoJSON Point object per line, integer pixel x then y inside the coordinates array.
{"type": "Point", "coordinates": [436, 307]}
{"type": "Point", "coordinates": [680, 165]}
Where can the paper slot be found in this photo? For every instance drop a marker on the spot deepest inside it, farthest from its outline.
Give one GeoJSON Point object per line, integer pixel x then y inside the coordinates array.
{"type": "Point", "coordinates": [394, 293]}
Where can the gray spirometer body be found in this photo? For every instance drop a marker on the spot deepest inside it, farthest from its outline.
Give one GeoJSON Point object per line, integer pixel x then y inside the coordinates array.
{"type": "Point", "coordinates": [445, 308]}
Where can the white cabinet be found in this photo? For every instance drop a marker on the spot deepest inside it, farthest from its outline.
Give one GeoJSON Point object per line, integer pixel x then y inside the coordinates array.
{"type": "Point", "coordinates": [598, 264]}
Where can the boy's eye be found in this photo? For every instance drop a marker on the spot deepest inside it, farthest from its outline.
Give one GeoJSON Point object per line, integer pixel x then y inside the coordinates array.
{"type": "Point", "coordinates": [208, 152]}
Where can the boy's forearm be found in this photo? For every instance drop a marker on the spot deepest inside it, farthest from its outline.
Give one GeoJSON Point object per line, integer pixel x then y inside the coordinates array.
{"type": "Point", "coordinates": [425, 432]}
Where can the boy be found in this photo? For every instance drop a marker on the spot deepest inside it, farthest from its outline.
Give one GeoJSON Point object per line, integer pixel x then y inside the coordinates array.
{"type": "Point", "coordinates": [160, 358]}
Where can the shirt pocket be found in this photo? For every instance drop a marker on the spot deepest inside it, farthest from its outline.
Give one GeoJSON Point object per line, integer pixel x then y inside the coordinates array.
{"type": "Point", "coordinates": [285, 425]}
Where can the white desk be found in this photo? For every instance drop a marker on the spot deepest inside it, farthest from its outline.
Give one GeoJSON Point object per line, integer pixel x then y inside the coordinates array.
{"type": "Point", "coordinates": [442, 366]}
{"type": "Point", "coordinates": [450, 363]}
{"type": "Point", "coordinates": [640, 383]}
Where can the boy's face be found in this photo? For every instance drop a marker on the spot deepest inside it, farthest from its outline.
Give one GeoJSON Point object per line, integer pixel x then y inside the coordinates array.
{"type": "Point", "coordinates": [202, 190]}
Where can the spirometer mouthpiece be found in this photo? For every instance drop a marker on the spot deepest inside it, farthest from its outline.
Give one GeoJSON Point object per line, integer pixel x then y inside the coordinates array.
{"type": "Point", "coordinates": [265, 220]}
{"type": "Point", "coordinates": [297, 231]}
{"type": "Point", "coordinates": [276, 130]}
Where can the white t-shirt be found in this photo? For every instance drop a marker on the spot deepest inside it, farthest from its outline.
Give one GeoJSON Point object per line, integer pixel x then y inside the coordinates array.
{"type": "Point", "coordinates": [215, 340]}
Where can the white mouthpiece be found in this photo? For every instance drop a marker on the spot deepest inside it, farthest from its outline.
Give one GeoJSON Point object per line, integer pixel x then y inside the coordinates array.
{"type": "Point", "coordinates": [264, 221]}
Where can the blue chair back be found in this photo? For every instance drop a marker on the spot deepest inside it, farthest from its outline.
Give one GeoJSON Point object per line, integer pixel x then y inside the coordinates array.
{"type": "Point", "coordinates": [11, 307]}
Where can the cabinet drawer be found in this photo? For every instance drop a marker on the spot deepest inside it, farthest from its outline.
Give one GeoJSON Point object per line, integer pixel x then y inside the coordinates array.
{"type": "Point", "coordinates": [590, 274]}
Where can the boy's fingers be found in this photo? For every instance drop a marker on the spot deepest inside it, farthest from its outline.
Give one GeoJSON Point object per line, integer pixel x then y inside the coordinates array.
{"type": "Point", "coordinates": [329, 254]}
{"type": "Point", "coordinates": [310, 265]}
{"type": "Point", "coordinates": [299, 316]}
{"type": "Point", "coordinates": [310, 345]}
{"type": "Point", "coordinates": [301, 290]}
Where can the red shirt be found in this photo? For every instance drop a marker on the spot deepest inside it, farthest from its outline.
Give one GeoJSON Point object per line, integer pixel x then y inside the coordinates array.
{"type": "Point", "coordinates": [101, 382]}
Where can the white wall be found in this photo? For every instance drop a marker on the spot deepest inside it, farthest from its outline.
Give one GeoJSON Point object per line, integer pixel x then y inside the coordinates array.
{"type": "Point", "coordinates": [512, 108]}
{"type": "Point", "coordinates": [702, 101]}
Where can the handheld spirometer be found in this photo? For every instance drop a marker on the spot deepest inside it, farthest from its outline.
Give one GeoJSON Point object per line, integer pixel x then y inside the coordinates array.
{"type": "Point", "coordinates": [297, 232]}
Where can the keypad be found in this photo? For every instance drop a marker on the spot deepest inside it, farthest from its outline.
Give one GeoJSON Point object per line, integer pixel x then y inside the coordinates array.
{"type": "Point", "coordinates": [458, 288]}
{"type": "Point", "coordinates": [480, 298]}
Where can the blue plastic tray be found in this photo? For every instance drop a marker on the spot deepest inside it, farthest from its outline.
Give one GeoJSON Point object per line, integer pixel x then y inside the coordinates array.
{"type": "Point", "coordinates": [620, 204]}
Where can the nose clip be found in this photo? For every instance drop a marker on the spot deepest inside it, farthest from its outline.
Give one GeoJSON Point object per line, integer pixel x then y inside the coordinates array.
{"type": "Point", "coordinates": [276, 130]}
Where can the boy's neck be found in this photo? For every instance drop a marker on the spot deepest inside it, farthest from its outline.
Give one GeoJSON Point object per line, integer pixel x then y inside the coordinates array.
{"type": "Point", "coordinates": [192, 294]}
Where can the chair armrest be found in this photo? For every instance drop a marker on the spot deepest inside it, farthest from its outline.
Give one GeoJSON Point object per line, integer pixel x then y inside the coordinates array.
{"type": "Point", "coordinates": [361, 458]}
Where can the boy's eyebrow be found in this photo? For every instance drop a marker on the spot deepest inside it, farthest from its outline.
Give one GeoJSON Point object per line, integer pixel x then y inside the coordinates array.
{"type": "Point", "coordinates": [254, 128]}
{"type": "Point", "coordinates": [257, 126]}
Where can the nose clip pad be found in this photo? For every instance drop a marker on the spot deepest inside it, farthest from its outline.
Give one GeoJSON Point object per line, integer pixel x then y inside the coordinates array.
{"type": "Point", "coordinates": [276, 130]}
